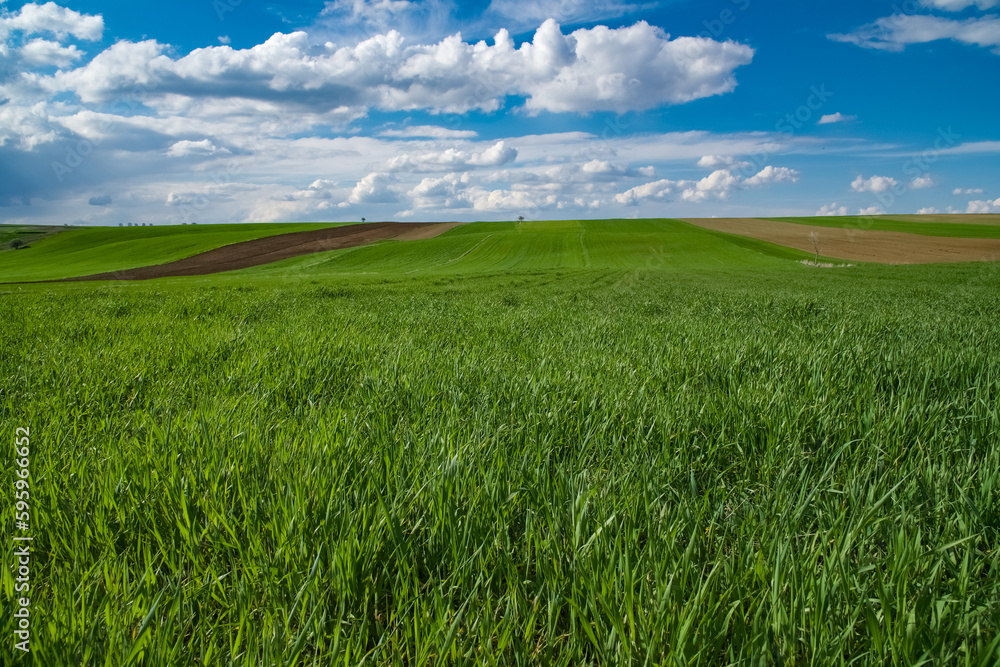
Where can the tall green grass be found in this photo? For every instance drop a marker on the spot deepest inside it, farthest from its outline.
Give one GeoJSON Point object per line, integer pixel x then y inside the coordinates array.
{"type": "Point", "coordinates": [635, 461]}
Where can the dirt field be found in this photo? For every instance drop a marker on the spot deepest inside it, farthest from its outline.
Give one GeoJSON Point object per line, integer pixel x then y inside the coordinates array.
{"type": "Point", "coordinates": [275, 248]}
{"type": "Point", "coordinates": [860, 245]}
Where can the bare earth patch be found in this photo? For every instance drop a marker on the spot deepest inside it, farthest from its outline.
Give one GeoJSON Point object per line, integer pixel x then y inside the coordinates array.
{"type": "Point", "coordinates": [274, 248]}
{"type": "Point", "coordinates": [859, 245]}
{"type": "Point", "coordinates": [425, 231]}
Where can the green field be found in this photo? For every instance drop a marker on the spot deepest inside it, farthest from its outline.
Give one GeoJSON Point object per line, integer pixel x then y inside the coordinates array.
{"type": "Point", "coordinates": [27, 234]}
{"type": "Point", "coordinates": [604, 442]}
{"type": "Point", "coordinates": [82, 251]}
{"type": "Point", "coordinates": [887, 224]}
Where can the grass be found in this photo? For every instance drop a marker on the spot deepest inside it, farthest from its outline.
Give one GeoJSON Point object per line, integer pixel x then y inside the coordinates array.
{"type": "Point", "coordinates": [29, 234]}
{"type": "Point", "coordinates": [887, 224]}
{"type": "Point", "coordinates": [585, 443]}
{"type": "Point", "coordinates": [565, 245]}
{"type": "Point", "coordinates": [83, 251]}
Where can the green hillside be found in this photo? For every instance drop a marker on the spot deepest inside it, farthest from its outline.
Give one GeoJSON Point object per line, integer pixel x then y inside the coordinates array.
{"type": "Point", "coordinates": [81, 251]}
{"type": "Point", "coordinates": [565, 245]}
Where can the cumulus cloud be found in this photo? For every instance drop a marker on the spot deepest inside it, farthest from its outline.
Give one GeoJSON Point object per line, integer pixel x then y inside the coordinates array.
{"type": "Point", "coordinates": [719, 185]}
{"type": "Point", "coordinates": [874, 184]}
{"type": "Point", "coordinates": [595, 69]}
{"type": "Point", "coordinates": [375, 188]}
{"type": "Point", "coordinates": [872, 210]}
{"type": "Point", "coordinates": [769, 175]}
{"type": "Point", "coordinates": [43, 53]}
{"type": "Point", "coordinates": [512, 200]}
{"type": "Point", "coordinates": [922, 182]}
{"type": "Point", "coordinates": [454, 159]}
{"type": "Point", "coordinates": [721, 162]}
{"type": "Point", "coordinates": [980, 206]}
{"type": "Point", "coordinates": [204, 147]}
{"type": "Point", "coordinates": [894, 33]}
{"type": "Point", "coordinates": [830, 118]}
{"type": "Point", "coordinates": [831, 210]}
{"type": "Point", "coordinates": [100, 200]}
{"type": "Point", "coordinates": [967, 191]}
{"type": "Point", "coordinates": [33, 19]}
{"type": "Point", "coordinates": [930, 210]}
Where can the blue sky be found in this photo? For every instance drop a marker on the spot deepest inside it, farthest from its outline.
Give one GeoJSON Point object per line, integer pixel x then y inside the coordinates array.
{"type": "Point", "coordinates": [238, 110]}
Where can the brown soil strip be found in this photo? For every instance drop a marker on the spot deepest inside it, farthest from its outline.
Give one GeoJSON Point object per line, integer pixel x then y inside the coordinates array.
{"type": "Point", "coordinates": [420, 232]}
{"type": "Point", "coordinates": [860, 245]}
{"type": "Point", "coordinates": [275, 248]}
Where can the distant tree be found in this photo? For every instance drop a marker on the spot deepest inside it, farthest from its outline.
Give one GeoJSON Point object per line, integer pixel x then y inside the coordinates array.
{"type": "Point", "coordinates": [17, 244]}
{"type": "Point", "coordinates": [362, 220]}
{"type": "Point", "coordinates": [520, 218]}
{"type": "Point", "coordinates": [817, 243]}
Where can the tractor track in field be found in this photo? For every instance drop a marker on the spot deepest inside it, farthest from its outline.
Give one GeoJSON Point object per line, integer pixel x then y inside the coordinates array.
{"type": "Point", "coordinates": [256, 252]}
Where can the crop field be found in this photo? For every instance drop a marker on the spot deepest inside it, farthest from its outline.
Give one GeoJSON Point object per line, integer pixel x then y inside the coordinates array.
{"type": "Point", "coordinates": [983, 226]}
{"type": "Point", "coordinates": [85, 250]}
{"type": "Point", "coordinates": [565, 443]}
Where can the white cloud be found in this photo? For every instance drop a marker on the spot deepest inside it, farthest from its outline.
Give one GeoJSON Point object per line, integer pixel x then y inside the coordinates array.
{"type": "Point", "coordinates": [596, 69]}
{"type": "Point", "coordinates": [428, 131]}
{"type": "Point", "coordinates": [375, 188]}
{"type": "Point", "coordinates": [894, 33]}
{"type": "Point", "coordinates": [959, 5]}
{"type": "Point", "coordinates": [604, 168]}
{"type": "Point", "coordinates": [512, 200]}
{"type": "Point", "coordinates": [42, 53]}
{"type": "Point", "coordinates": [721, 162]}
{"type": "Point", "coordinates": [447, 192]}
{"type": "Point", "coordinates": [769, 175]}
{"type": "Point", "coordinates": [874, 184]}
{"type": "Point", "coordinates": [204, 147]}
{"type": "Point", "coordinates": [719, 185]}
{"type": "Point", "coordinates": [981, 206]}
{"type": "Point", "coordinates": [973, 147]}
{"type": "Point", "coordinates": [831, 210]}
{"type": "Point", "coordinates": [922, 182]}
{"type": "Point", "coordinates": [838, 117]}
{"type": "Point", "coordinates": [930, 210]}
{"type": "Point", "coordinates": [454, 159]}
{"type": "Point", "coordinates": [33, 19]}
{"type": "Point", "coordinates": [26, 127]}
{"type": "Point", "coordinates": [967, 191]}
{"type": "Point", "coordinates": [872, 210]}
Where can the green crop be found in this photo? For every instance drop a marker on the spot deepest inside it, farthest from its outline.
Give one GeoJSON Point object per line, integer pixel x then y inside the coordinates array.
{"type": "Point", "coordinates": [576, 443]}
{"type": "Point", "coordinates": [81, 251]}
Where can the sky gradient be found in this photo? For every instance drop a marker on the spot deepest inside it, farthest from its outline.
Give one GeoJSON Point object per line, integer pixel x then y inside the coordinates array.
{"type": "Point", "coordinates": [238, 111]}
